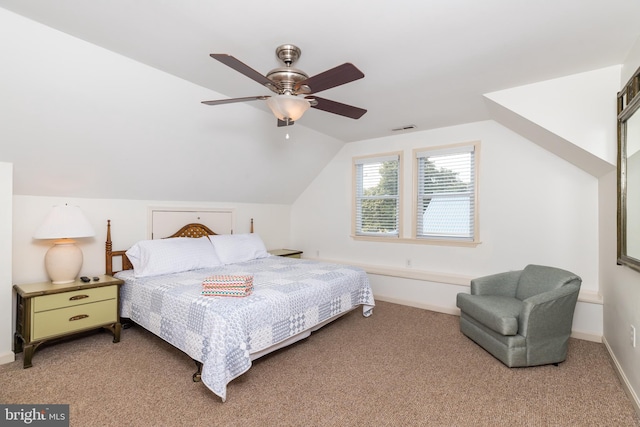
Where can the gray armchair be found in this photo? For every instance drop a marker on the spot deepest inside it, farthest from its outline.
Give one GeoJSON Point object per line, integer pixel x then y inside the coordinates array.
{"type": "Point", "coordinates": [523, 318]}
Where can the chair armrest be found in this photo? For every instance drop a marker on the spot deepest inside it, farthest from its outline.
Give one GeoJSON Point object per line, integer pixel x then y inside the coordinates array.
{"type": "Point", "coordinates": [549, 313]}
{"type": "Point", "coordinates": [501, 284]}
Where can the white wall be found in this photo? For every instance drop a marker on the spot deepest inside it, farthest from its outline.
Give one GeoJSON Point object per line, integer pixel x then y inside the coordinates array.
{"type": "Point", "coordinates": [621, 293]}
{"type": "Point", "coordinates": [129, 221]}
{"type": "Point", "coordinates": [620, 285]}
{"type": "Point", "coordinates": [6, 286]}
{"type": "Point", "coordinates": [534, 208]}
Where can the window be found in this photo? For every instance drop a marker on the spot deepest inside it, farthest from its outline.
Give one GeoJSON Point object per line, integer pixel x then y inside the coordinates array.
{"type": "Point", "coordinates": [377, 196]}
{"type": "Point", "coordinates": [446, 193]}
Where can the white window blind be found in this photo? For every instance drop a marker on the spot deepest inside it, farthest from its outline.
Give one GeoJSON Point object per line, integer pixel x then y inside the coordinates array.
{"type": "Point", "coordinates": [377, 202]}
{"type": "Point", "coordinates": [446, 203]}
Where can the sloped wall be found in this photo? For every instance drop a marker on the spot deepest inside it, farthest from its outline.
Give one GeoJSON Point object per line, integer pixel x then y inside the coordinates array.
{"type": "Point", "coordinates": [81, 121]}
{"type": "Point", "coordinates": [572, 116]}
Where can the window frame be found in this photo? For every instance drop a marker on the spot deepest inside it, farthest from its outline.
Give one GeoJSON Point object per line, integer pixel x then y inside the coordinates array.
{"type": "Point", "coordinates": [378, 157]}
{"type": "Point", "coordinates": [443, 239]}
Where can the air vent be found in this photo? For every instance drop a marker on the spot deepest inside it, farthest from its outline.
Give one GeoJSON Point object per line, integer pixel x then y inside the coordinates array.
{"type": "Point", "coordinates": [402, 128]}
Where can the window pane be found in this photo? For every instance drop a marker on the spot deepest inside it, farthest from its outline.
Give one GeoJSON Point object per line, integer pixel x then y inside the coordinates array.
{"type": "Point", "coordinates": [446, 199]}
{"type": "Point", "coordinates": [377, 203]}
{"type": "Point", "coordinates": [447, 216]}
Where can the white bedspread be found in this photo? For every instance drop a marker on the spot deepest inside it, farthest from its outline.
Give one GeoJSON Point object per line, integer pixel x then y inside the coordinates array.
{"type": "Point", "coordinates": [289, 297]}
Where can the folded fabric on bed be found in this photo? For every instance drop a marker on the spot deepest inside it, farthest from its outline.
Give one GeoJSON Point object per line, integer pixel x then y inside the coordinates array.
{"type": "Point", "coordinates": [227, 286]}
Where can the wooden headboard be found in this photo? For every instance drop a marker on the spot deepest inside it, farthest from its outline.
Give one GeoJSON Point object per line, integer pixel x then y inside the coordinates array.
{"type": "Point", "coordinates": [190, 230]}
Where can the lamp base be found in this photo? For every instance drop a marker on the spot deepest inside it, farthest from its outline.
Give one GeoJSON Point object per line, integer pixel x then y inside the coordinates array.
{"type": "Point", "coordinates": [63, 262]}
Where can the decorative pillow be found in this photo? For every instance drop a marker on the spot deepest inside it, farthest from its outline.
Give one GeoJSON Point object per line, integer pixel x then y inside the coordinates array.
{"type": "Point", "coordinates": [166, 256]}
{"type": "Point", "coordinates": [232, 248]}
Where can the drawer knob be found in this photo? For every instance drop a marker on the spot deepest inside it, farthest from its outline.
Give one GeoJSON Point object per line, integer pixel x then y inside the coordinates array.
{"type": "Point", "coordinates": [78, 317]}
{"type": "Point", "coordinates": [77, 297]}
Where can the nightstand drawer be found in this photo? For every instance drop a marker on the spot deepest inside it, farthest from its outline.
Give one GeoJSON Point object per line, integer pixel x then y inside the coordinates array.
{"type": "Point", "coordinates": [62, 321]}
{"type": "Point", "coordinates": [73, 298]}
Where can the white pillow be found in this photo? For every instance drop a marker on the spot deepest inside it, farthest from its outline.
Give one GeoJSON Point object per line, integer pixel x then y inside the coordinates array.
{"type": "Point", "coordinates": [166, 256]}
{"type": "Point", "coordinates": [232, 248]}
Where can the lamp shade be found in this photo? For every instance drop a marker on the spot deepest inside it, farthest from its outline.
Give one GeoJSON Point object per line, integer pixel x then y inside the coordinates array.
{"type": "Point", "coordinates": [64, 222]}
{"type": "Point", "coordinates": [63, 260]}
{"type": "Point", "coordinates": [289, 107]}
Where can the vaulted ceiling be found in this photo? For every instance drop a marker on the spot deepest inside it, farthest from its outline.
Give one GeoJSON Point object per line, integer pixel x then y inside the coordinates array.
{"type": "Point", "coordinates": [425, 63]}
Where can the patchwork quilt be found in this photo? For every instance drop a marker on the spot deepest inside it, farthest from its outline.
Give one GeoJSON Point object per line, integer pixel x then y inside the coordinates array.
{"type": "Point", "coordinates": [289, 296]}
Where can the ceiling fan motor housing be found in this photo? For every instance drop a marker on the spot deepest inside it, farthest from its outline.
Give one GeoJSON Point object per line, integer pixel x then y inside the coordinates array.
{"type": "Point", "coordinates": [287, 77]}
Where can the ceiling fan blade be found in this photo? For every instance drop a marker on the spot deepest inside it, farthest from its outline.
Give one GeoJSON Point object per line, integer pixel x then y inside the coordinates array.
{"type": "Point", "coordinates": [232, 100]}
{"type": "Point", "coordinates": [336, 76]}
{"type": "Point", "coordinates": [282, 123]}
{"type": "Point", "coordinates": [243, 68]}
{"type": "Point", "coordinates": [337, 107]}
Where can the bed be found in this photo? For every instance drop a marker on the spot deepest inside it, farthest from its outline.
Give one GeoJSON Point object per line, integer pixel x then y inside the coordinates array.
{"type": "Point", "coordinates": [290, 298]}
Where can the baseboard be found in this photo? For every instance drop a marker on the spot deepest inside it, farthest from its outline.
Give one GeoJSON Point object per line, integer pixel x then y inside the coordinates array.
{"type": "Point", "coordinates": [456, 312]}
{"type": "Point", "coordinates": [623, 378]}
{"type": "Point", "coordinates": [7, 357]}
{"type": "Point", "coordinates": [586, 336]}
{"type": "Point", "coordinates": [445, 310]}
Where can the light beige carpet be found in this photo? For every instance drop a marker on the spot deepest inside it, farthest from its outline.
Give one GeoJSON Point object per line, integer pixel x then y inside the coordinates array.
{"type": "Point", "coordinates": [403, 366]}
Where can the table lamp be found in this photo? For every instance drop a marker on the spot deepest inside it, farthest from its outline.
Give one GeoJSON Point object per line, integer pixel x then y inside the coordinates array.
{"type": "Point", "coordinates": [63, 260]}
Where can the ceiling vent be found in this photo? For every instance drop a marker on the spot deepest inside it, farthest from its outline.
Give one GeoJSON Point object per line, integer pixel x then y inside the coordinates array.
{"type": "Point", "coordinates": [403, 128]}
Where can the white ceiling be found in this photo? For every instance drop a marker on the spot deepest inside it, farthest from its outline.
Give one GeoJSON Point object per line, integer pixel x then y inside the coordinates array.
{"type": "Point", "coordinates": [425, 63]}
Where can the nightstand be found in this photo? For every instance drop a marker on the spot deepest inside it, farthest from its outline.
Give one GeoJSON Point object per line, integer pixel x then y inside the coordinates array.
{"type": "Point", "coordinates": [291, 253]}
{"type": "Point", "coordinates": [46, 311]}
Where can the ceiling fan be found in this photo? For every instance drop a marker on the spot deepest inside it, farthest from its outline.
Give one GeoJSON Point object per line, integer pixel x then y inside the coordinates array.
{"type": "Point", "coordinates": [294, 89]}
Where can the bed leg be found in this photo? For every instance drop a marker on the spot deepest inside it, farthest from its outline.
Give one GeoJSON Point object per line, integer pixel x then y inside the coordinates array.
{"type": "Point", "coordinates": [197, 375]}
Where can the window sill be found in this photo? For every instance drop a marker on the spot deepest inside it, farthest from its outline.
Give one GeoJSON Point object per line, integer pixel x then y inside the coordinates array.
{"type": "Point", "coordinates": [411, 241]}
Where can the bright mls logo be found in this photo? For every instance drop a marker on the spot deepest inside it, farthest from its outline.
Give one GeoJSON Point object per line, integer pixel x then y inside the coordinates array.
{"type": "Point", "coordinates": [34, 415]}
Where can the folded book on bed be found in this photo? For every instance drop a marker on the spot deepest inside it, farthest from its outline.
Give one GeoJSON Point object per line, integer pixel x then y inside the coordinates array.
{"type": "Point", "coordinates": [227, 286]}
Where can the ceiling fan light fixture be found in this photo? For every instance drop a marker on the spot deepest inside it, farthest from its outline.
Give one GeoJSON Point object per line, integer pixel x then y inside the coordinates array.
{"type": "Point", "coordinates": [288, 107]}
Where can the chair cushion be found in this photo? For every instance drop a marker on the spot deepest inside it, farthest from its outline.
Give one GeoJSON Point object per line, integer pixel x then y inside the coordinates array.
{"type": "Point", "coordinates": [497, 313]}
{"type": "Point", "coordinates": [536, 279]}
